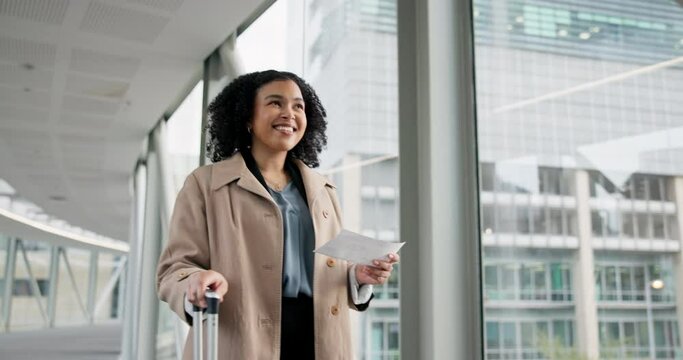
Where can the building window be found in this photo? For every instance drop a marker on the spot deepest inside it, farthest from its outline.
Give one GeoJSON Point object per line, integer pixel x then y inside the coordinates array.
{"type": "Point", "coordinates": [529, 339]}
{"type": "Point", "coordinates": [629, 339]}
{"type": "Point", "coordinates": [528, 281]}
{"type": "Point", "coordinates": [627, 283]}
{"type": "Point", "coordinates": [637, 187]}
{"type": "Point", "coordinates": [384, 344]}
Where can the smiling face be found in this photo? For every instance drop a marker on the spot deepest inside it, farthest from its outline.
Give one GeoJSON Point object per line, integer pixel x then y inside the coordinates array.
{"type": "Point", "coordinates": [279, 119]}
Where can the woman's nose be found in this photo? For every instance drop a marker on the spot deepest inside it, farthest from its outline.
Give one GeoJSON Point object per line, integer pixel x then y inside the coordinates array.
{"type": "Point", "coordinates": [287, 113]}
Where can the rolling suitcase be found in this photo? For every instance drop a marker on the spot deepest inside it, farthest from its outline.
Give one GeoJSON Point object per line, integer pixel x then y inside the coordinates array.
{"type": "Point", "coordinates": [212, 301]}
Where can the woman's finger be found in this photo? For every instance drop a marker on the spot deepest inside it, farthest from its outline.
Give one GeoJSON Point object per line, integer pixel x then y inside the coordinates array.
{"type": "Point", "coordinates": [383, 265]}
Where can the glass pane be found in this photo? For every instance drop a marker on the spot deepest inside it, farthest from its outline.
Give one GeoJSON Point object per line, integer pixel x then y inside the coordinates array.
{"type": "Point", "coordinates": [509, 336]}
{"type": "Point", "coordinates": [492, 335]}
{"type": "Point", "coordinates": [578, 106]}
{"type": "Point", "coordinates": [348, 51]}
{"type": "Point", "coordinates": [71, 296]}
{"type": "Point", "coordinates": [106, 267]}
{"type": "Point", "coordinates": [26, 303]}
{"type": "Point", "coordinates": [184, 129]}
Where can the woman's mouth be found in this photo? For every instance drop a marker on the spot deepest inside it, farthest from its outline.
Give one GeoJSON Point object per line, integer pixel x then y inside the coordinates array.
{"type": "Point", "coordinates": [285, 129]}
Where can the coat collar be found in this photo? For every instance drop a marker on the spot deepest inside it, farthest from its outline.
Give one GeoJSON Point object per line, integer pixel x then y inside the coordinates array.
{"type": "Point", "coordinates": [234, 168]}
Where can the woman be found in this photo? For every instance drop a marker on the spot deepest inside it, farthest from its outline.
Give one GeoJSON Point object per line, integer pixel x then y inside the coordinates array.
{"type": "Point", "coordinates": [249, 223]}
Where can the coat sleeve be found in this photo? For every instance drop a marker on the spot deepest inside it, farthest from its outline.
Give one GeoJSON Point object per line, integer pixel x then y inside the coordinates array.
{"type": "Point", "coordinates": [187, 250]}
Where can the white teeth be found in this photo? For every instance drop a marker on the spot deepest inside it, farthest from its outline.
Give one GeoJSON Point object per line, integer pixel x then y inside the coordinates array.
{"type": "Point", "coordinates": [284, 128]}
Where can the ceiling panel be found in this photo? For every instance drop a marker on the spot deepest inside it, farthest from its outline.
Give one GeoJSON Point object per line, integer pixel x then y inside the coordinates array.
{"type": "Point", "coordinates": [84, 122]}
{"type": "Point", "coordinates": [17, 75]}
{"type": "Point", "coordinates": [23, 51]}
{"type": "Point", "coordinates": [123, 23]}
{"type": "Point", "coordinates": [103, 64]}
{"type": "Point", "coordinates": [26, 97]}
{"type": "Point", "coordinates": [49, 12]}
{"type": "Point", "coordinates": [11, 113]}
{"type": "Point", "coordinates": [167, 5]}
{"type": "Point", "coordinates": [96, 87]}
{"type": "Point", "coordinates": [90, 106]}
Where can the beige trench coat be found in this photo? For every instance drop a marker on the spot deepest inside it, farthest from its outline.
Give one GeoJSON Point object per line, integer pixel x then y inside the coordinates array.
{"type": "Point", "coordinates": [225, 220]}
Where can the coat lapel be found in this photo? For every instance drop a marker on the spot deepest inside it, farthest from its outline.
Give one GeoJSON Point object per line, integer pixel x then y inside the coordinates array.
{"type": "Point", "coordinates": [313, 182]}
{"type": "Point", "coordinates": [234, 168]}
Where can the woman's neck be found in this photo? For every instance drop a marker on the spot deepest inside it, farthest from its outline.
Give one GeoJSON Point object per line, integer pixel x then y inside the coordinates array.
{"type": "Point", "coordinates": [269, 162]}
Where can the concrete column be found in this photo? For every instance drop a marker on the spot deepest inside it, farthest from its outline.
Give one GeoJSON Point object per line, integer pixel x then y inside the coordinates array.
{"type": "Point", "coordinates": [678, 262]}
{"type": "Point", "coordinates": [441, 308]}
{"type": "Point", "coordinates": [148, 313]}
{"type": "Point", "coordinates": [583, 277]}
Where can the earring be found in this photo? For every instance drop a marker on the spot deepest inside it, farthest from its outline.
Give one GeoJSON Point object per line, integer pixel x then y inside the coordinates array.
{"type": "Point", "coordinates": [249, 129]}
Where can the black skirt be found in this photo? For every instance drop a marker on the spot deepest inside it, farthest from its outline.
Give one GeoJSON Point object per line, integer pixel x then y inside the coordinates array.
{"type": "Point", "coordinates": [297, 337]}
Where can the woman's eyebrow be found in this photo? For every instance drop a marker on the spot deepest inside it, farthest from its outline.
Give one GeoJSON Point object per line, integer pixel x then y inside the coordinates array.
{"type": "Point", "coordinates": [280, 97]}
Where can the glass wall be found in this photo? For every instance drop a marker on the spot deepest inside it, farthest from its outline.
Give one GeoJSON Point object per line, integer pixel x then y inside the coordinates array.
{"type": "Point", "coordinates": [347, 50]}
{"type": "Point", "coordinates": [579, 131]}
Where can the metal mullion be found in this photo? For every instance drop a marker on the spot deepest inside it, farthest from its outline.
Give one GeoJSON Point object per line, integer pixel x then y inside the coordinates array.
{"type": "Point", "coordinates": [10, 269]}
{"type": "Point", "coordinates": [34, 283]}
{"type": "Point", "coordinates": [617, 271]}
{"type": "Point", "coordinates": [548, 286]}
{"type": "Point", "coordinates": [54, 279]}
{"type": "Point", "coordinates": [518, 339]}
{"type": "Point", "coordinates": [92, 284]}
{"type": "Point", "coordinates": [122, 288]}
{"type": "Point", "coordinates": [73, 282]}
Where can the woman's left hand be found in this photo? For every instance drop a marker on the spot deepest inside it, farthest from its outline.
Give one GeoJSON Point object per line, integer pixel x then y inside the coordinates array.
{"type": "Point", "coordinates": [377, 274]}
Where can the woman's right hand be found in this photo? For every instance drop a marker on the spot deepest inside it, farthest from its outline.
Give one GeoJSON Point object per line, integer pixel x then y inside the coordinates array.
{"type": "Point", "coordinates": [199, 282]}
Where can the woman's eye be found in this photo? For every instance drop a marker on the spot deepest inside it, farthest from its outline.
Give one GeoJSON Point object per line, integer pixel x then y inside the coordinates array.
{"type": "Point", "coordinates": [276, 103]}
{"type": "Point", "coordinates": [299, 106]}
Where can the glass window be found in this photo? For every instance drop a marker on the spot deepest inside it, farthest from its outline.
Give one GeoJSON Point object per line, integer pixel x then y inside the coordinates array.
{"type": "Point", "coordinates": [538, 215]}
{"type": "Point", "coordinates": [643, 225]}
{"type": "Point", "coordinates": [184, 129]}
{"type": "Point", "coordinates": [523, 220]}
{"type": "Point", "coordinates": [627, 225]}
{"type": "Point", "coordinates": [556, 226]}
{"type": "Point", "coordinates": [492, 335]}
{"type": "Point", "coordinates": [672, 226]}
{"type": "Point", "coordinates": [581, 99]}
{"type": "Point", "coordinates": [597, 223]}
{"type": "Point", "coordinates": [658, 226]}
{"type": "Point", "coordinates": [505, 219]}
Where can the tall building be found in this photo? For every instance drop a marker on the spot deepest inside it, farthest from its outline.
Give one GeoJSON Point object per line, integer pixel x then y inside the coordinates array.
{"type": "Point", "coordinates": [579, 128]}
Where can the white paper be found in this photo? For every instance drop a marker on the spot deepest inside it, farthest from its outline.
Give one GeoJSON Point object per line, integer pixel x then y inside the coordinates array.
{"type": "Point", "coordinates": [357, 248]}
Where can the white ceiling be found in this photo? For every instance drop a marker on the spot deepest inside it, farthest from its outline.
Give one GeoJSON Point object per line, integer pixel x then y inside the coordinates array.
{"type": "Point", "coordinates": [81, 84]}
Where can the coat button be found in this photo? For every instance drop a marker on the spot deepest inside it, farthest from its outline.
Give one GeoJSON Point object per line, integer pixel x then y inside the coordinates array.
{"type": "Point", "coordinates": [181, 274]}
{"type": "Point", "coordinates": [330, 262]}
{"type": "Point", "coordinates": [335, 310]}
{"type": "Point", "coordinates": [325, 214]}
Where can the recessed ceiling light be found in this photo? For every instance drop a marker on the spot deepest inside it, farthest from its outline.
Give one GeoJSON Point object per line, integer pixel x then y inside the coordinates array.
{"type": "Point", "coordinates": [28, 66]}
{"type": "Point", "coordinates": [57, 198]}
{"type": "Point", "coordinates": [585, 35]}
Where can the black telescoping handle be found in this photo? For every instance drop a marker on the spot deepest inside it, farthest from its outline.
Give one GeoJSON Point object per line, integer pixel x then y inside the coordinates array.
{"type": "Point", "coordinates": [213, 301]}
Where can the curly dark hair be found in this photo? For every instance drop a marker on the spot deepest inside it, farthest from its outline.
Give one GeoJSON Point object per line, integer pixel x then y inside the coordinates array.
{"type": "Point", "coordinates": [231, 111]}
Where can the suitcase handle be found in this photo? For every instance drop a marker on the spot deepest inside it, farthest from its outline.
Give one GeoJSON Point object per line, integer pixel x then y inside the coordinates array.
{"type": "Point", "coordinates": [212, 300]}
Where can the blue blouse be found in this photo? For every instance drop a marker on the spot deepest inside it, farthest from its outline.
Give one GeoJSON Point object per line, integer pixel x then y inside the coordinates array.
{"type": "Point", "coordinates": [299, 238]}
